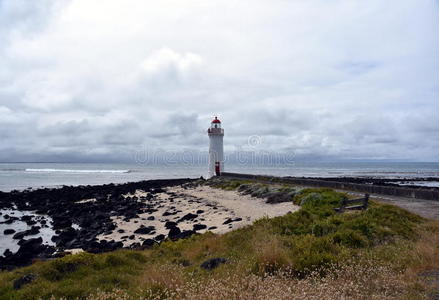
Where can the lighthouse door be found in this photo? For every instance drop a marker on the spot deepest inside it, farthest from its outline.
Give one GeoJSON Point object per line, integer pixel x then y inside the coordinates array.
{"type": "Point", "coordinates": [217, 169]}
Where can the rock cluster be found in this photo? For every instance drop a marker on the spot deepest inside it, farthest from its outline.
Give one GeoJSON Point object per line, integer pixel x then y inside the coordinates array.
{"type": "Point", "coordinates": [273, 194]}
{"type": "Point", "coordinates": [66, 206]}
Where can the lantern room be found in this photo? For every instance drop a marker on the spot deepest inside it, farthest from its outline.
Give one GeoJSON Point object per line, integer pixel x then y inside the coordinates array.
{"type": "Point", "coordinates": [215, 123]}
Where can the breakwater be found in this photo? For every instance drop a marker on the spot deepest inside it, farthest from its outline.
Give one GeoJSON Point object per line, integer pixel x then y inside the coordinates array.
{"type": "Point", "coordinates": [417, 193]}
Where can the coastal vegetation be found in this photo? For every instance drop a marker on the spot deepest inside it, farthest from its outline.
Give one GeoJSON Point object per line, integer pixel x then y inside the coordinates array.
{"type": "Point", "coordinates": [383, 252]}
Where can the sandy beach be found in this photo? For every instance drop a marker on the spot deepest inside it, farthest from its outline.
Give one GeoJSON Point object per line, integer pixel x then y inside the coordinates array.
{"type": "Point", "coordinates": [200, 208]}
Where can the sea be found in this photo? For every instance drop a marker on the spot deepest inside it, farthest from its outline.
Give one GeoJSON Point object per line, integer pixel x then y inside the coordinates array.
{"type": "Point", "coordinates": [20, 176]}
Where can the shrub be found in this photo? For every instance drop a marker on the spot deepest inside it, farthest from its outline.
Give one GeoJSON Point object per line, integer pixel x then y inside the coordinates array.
{"type": "Point", "coordinates": [349, 238]}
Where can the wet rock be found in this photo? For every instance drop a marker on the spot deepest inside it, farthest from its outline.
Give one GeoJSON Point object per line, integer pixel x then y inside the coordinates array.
{"type": "Point", "coordinates": [31, 222]}
{"type": "Point", "coordinates": [212, 228]}
{"type": "Point", "coordinates": [60, 223]}
{"type": "Point", "coordinates": [26, 218]}
{"type": "Point", "coordinates": [7, 253]}
{"type": "Point", "coordinates": [26, 279]}
{"type": "Point", "coordinates": [213, 263]}
{"type": "Point", "coordinates": [66, 235]}
{"type": "Point", "coordinates": [200, 211]}
{"type": "Point", "coordinates": [94, 217]}
{"type": "Point", "coordinates": [8, 231]}
{"type": "Point", "coordinates": [150, 218]}
{"type": "Point", "coordinates": [20, 235]}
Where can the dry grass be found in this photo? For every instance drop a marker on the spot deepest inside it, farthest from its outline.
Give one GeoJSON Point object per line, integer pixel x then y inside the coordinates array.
{"type": "Point", "coordinates": [365, 280]}
{"type": "Point", "coordinates": [204, 248]}
{"type": "Point", "coordinates": [162, 281]}
{"type": "Point", "coordinates": [270, 253]}
{"type": "Point", "coordinates": [427, 246]}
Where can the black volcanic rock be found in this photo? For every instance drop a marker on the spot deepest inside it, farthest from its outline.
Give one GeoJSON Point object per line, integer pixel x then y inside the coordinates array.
{"type": "Point", "coordinates": [144, 230]}
{"type": "Point", "coordinates": [66, 236]}
{"type": "Point", "coordinates": [31, 244]}
{"type": "Point", "coordinates": [199, 227]}
{"type": "Point", "coordinates": [8, 231]}
{"type": "Point", "coordinates": [60, 223]}
{"type": "Point", "coordinates": [64, 208]}
{"type": "Point", "coordinates": [185, 234]}
{"type": "Point", "coordinates": [228, 221]}
{"type": "Point", "coordinates": [174, 232]}
{"type": "Point", "coordinates": [148, 243]}
{"type": "Point", "coordinates": [213, 263]}
{"type": "Point", "coordinates": [188, 217]}
{"type": "Point", "coordinates": [26, 218]}
{"type": "Point", "coordinates": [170, 224]}
{"type": "Point", "coordinates": [169, 213]}
{"type": "Point", "coordinates": [26, 279]}
{"type": "Point", "coordinates": [19, 235]}
{"type": "Point", "coordinates": [160, 237]}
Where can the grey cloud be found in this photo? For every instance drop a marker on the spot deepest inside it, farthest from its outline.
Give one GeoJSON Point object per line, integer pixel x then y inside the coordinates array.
{"type": "Point", "coordinates": [82, 81]}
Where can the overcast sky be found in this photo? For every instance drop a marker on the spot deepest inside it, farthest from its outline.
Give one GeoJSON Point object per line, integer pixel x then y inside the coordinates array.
{"type": "Point", "coordinates": [95, 80]}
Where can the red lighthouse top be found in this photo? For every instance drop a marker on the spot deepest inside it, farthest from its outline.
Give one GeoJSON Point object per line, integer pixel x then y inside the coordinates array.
{"type": "Point", "coordinates": [216, 120]}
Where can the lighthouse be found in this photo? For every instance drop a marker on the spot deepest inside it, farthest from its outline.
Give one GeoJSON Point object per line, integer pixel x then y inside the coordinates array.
{"type": "Point", "coordinates": [216, 152]}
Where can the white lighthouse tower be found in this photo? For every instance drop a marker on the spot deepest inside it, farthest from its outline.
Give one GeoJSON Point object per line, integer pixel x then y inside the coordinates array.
{"type": "Point", "coordinates": [216, 152]}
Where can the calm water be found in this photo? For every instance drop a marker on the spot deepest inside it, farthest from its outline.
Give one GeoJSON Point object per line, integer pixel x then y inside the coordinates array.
{"type": "Point", "coordinates": [24, 175]}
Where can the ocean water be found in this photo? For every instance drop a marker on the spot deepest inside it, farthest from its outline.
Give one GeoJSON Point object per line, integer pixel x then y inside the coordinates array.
{"type": "Point", "coordinates": [34, 175]}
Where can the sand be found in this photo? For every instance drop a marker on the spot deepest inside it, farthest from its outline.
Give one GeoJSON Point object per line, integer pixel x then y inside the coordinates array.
{"type": "Point", "coordinates": [212, 206]}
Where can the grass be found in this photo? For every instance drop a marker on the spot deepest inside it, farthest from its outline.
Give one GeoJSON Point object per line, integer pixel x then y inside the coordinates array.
{"type": "Point", "coordinates": [312, 253]}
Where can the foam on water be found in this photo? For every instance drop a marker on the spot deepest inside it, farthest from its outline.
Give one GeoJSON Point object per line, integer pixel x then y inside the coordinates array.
{"type": "Point", "coordinates": [76, 171]}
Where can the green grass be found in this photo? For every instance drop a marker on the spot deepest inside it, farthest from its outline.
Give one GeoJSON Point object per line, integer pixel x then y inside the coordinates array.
{"type": "Point", "coordinates": [227, 184]}
{"type": "Point", "coordinates": [309, 240]}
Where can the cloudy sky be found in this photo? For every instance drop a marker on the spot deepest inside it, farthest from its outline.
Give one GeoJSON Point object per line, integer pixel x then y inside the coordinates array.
{"type": "Point", "coordinates": [101, 79]}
